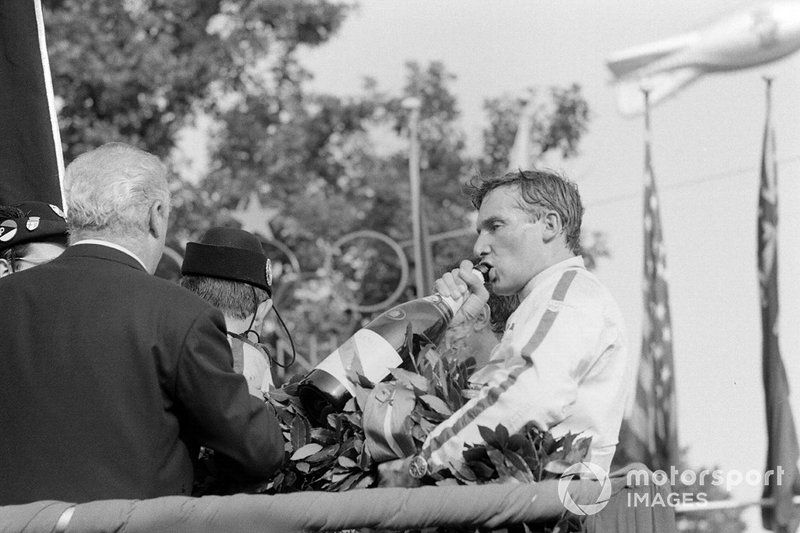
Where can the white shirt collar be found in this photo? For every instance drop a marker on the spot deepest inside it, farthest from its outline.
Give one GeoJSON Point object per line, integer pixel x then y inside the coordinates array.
{"type": "Point", "coordinates": [113, 245]}
{"type": "Point", "coordinates": [558, 268]}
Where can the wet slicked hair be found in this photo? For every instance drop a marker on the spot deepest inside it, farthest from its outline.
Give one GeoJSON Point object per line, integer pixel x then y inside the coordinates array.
{"type": "Point", "coordinates": [540, 191]}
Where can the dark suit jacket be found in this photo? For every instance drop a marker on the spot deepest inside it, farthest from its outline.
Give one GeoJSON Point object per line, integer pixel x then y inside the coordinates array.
{"type": "Point", "coordinates": [110, 378]}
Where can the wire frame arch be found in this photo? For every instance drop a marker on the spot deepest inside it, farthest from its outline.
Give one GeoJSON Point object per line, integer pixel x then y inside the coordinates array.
{"type": "Point", "coordinates": [336, 248]}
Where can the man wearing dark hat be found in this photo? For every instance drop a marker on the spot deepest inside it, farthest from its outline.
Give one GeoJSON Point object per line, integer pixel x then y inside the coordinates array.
{"type": "Point", "coordinates": [229, 269]}
{"type": "Point", "coordinates": [31, 233]}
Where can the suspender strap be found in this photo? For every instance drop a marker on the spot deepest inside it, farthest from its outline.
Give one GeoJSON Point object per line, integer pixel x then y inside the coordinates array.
{"type": "Point", "coordinates": [237, 348]}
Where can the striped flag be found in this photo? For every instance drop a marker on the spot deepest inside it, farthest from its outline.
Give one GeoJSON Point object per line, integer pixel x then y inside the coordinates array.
{"type": "Point", "coordinates": [31, 163]}
{"type": "Point", "coordinates": [649, 433]}
{"type": "Point", "coordinates": [782, 448]}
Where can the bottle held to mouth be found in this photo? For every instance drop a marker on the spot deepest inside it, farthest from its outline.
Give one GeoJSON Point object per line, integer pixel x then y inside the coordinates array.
{"type": "Point", "coordinates": [376, 349]}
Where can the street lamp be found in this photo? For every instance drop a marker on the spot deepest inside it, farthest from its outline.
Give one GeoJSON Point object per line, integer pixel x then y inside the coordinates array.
{"type": "Point", "coordinates": [423, 262]}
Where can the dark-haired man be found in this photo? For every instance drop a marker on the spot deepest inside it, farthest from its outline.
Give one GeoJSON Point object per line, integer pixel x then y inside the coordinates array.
{"type": "Point", "coordinates": [562, 363]}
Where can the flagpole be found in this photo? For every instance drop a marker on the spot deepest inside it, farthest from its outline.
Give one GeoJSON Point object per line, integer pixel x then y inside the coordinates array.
{"type": "Point", "coordinates": [51, 106]}
{"type": "Point", "coordinates": [649, 432]}
{"type": "Point", "coordinates": [783, 451]}
{"type": "Point", "coordinates": [657, 339]}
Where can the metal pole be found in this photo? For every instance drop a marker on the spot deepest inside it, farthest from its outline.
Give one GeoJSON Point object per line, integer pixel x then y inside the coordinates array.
{"type": "Point", "coordinates": [413, 105]}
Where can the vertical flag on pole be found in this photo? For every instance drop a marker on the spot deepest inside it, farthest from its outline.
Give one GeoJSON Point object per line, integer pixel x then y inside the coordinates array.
{"type": "Point", "coordinates": [649, 433]}
{"type": "Point", "coordinates": [782, 447]}
{"type": "Point", "coordinates": [31, 163]}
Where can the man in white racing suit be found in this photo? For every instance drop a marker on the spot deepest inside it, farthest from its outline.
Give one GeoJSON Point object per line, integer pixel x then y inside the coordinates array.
{"type": "Point", "coordinates": [562, 362]}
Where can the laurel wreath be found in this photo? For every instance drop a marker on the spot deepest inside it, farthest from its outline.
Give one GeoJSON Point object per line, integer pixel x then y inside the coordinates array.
{"type": "Point", "coordinates": [334, 456]}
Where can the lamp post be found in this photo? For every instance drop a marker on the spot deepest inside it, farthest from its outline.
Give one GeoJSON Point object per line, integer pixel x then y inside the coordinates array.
{"type": "Point", "coordinates": [422, 254]}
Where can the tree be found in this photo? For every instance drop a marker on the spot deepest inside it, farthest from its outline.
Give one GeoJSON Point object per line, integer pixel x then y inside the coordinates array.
{"type": "Point", "coordinates": [559, 121]}
{"type": "Point", "coordinates": [141, 70]}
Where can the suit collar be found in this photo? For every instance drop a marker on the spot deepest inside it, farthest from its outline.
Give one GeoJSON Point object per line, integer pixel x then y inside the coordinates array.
{"type": "Point", "coordinates": [114, 245]}
{"type": "Point", "coordinates": [102, 251]}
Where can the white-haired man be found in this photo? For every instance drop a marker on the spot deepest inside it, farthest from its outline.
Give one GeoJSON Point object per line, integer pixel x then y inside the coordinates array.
{"type": "Point", "coordinates": [113, 378]}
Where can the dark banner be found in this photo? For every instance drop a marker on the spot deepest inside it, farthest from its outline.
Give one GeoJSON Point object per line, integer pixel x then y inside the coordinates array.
{"type": "Point", "coordinates": [30, 151]}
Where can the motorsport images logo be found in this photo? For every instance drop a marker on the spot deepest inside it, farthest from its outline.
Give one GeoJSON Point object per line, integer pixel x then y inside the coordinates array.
{"type": "Point", "coordinates": [584, 471]}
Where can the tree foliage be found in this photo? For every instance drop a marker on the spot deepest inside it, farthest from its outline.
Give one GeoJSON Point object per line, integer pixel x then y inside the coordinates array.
{"type": "Point", "coordinates": [559, 120]}
{"type": "Point", "coordinates": [141, 71]}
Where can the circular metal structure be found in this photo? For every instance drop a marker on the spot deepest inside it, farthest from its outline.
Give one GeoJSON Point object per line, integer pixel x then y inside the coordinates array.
{"type": "Point", "coordinates": [396, 248]}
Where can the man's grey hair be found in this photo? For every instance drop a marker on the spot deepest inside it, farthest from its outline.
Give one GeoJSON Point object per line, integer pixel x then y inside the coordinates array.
{"type": "Point", "coordinates": [110, 189]}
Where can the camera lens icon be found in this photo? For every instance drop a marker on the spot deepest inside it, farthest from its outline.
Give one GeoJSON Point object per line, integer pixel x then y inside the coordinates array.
{"type": "Point", "coordinates": [581, 507]}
